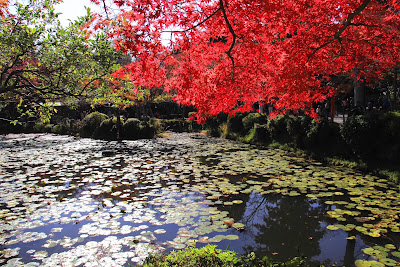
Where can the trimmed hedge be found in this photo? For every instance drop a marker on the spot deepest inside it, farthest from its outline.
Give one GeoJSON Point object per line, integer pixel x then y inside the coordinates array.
{"type": "Point", "coordinates": [374, 136]}
{"type": "Point", "coordinates": [107, 129]}
{"type": "Point", "coordinates": [252, 118]}
{"type": "Point", "coordinates": [90, 123]}
{"type": "Point", "coordinates": [370, 137]}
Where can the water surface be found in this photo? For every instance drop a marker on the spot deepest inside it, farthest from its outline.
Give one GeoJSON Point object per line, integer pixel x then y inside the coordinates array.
{"type": "Point", "coordinates": [82, 202]}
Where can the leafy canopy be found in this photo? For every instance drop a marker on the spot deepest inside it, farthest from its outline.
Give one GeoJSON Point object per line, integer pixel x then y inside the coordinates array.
{"type": "Point", "coordinates": [42, 62]}
{"type": "Point", "coordinates": [224, 55]}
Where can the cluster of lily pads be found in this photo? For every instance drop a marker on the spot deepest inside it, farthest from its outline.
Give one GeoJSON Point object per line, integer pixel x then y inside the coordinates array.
{"type": "Point", "coordinates": [72, 202]}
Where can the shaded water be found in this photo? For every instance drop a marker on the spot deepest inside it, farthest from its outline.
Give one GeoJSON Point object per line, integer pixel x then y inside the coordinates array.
{"type": "Point", "coordinates": [70, 202]}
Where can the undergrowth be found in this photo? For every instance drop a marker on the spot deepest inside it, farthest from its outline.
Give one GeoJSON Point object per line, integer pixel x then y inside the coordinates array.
{"type": "Point", "coordinates": [210, 256]}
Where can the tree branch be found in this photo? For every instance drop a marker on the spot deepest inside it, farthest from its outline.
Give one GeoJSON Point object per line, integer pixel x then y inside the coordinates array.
{"type": "Point", "coordinates": [345, 25]}
{"type": "Point", "coordinates": [234, 36]}
{"type": "Point", "coordinates": [197, 25]}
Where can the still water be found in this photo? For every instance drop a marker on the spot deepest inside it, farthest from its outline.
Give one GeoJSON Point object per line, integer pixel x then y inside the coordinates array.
{"type": "Point", "coordinates": [81, 202]}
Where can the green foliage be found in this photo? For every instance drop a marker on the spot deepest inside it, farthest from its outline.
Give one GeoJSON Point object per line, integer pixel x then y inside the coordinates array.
{"type": "Point", "coordinates": [176, 125]}
{"type": "Point", "coordinates": [235, 124]}
{"type": "Point", "coordinates": [210, 256]}
{"type": "Point", "coordinates": [107, 129]}
{"type": "Point", "coordinates": [38, 127]}
{"type": "Point", "coordinates": [388, 131]}
{"type": "Point", "coordinates": [360, 133]}
{"type": "Point", "coordinates": [42, 62]}
{"type": "Point", "coordinates": [278, 128]}
{"type": "Point", "coordinates": [252, 118]}
{"type": "Point", "coordinates": [205, 256]}
{"type": "Point", "coordinates": [258, 135]}
{"type": "Point", "coordinates": [131, 129]}
{"type": "Point", "coordinates": [91, 122]}
{"type": "Point", "coordinates": [297, 128]}
{"type": "Point", "coordinates": [212, 124]}
{"type": "Point", "coordinates": [163, 98]}
{"type": "Point", "coordinates": [134, 129]}
{"type": "Point", "coordinates": [146, 130]}
{"type": "Point", "coordinates": [323, 136]}
{"type": "Point", "coordinates": [65, 126]}
{"type": "Point", "coordinates": [48, 128]}
{"type": "Point", "coordinates": [156, 125]}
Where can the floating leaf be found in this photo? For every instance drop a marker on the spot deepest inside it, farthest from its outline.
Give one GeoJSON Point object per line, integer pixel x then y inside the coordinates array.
{"type": "Point", "coordinates": [396, 254]}
{"type": "Point", "coordinates": [388, 262]}
{"type": "Point", "coordinates": [332, 227]}
{"type": "Point", "coordinates": [238, 225]}
{"type": "Point", "coordinates": [365, 263]}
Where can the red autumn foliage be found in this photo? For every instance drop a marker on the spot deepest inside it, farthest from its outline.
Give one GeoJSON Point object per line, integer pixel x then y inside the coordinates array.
{"type": "Point", "coordinates": [225, 55]}
{"type": "Point", "coordinates": [3, 7]}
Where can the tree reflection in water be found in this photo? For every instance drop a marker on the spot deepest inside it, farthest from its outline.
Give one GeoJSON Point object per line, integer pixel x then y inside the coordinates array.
{"type": "Point", "coordinates": [285, 227]}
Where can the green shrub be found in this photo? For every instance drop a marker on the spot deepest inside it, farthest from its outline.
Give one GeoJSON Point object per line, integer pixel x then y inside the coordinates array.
{"type": "Point", "coordinates": [297, 128]}
{"type": "Point", "coordinates": [48, 128]}
{"type": "Point", "coordinates": [253, 118]}
{"type": "Point", "coordinates": [235, 124]}
{"type": "Point", "coordinates": [60, 129]}
{"type": "Point", "coordinates": [156, 125]}
{"type": "Point", "coordinates": [210, 256]}
{"type": "Point", "coordinates": [38, 127]}
{"type": "Point", "coordinates": [361, 134]}
{"type": "Point", "coordinates": [258, 135]}
{"type": "Point", "coordinates": [323, 135]}
{"type": "Point", "coordinates": [176, 125]}
{"type": "Point", "coordinates": [131, 130]}
{"type": "Point", "coordinates": [145, 130]}
{"type": "Point", "coordinates": [91, 122]}
{"type": "Point", "coordinates": [28, 126]}
{"type": "Point", "coordinates": [190, 257]}
{"type": "Point", "coordinates": [212, 124]}
{"type": "Point", "coordinates": [278, 129]}
{"type": "Point", "coordinates": [66, 126]}
{"type": "Point", "coordinates": [388, 128]}
{"type": "Point", "coordinates": [107, 129]}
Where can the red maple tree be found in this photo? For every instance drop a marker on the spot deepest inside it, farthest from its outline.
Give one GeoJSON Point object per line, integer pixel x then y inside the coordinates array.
{"type": "Point", "coordinates": [225, 55]}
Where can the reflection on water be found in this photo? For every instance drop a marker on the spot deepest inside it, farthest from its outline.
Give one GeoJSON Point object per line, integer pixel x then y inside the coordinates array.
{"type": "Point", "coordinates": [67, 201]}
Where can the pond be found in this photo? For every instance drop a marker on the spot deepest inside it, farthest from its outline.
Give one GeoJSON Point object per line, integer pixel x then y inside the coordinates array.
{"type": "Point", "coordinates": [67, 201]}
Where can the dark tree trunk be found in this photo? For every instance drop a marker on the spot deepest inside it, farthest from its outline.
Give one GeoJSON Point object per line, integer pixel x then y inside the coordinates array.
{"type": "Point", "coordinates": [359, 90]}
{"type": "Point", "coordinates": [118, 125]}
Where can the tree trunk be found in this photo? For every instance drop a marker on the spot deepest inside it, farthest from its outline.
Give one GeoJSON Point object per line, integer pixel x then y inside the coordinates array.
{"type": "Point", "coordinates": [359, 90]}
{"type": "Point", "coordinates": [118, 125]}
{"type": "Point", "coordinates": [395, 85]}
